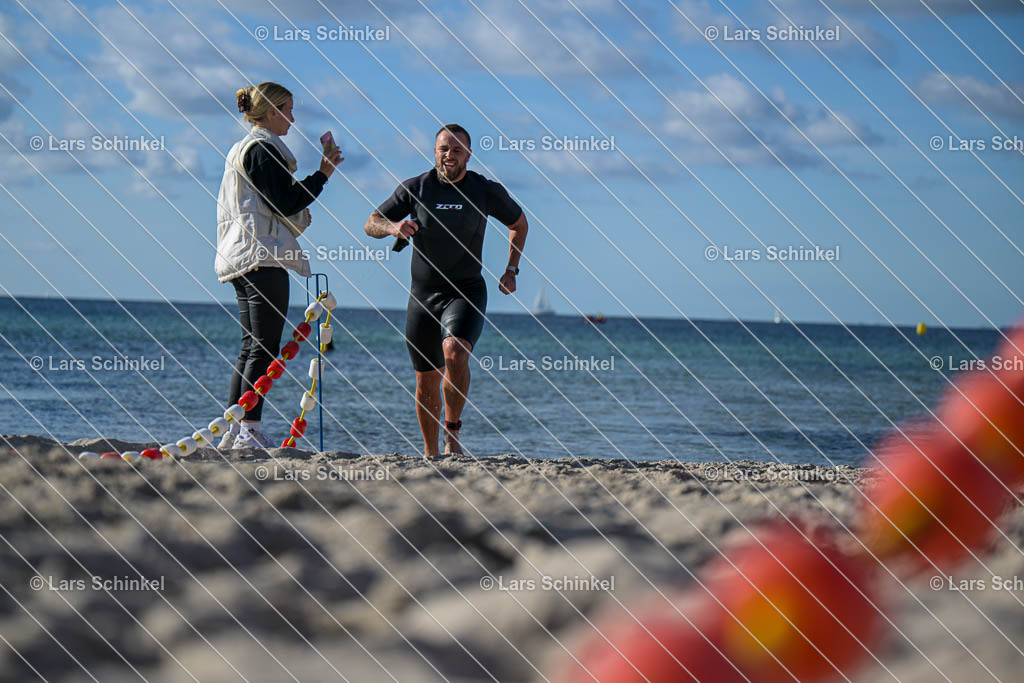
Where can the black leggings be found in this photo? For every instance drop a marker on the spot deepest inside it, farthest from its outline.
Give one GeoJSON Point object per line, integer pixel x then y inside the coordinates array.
{"type": "Point", "coordinates": [262, 306]}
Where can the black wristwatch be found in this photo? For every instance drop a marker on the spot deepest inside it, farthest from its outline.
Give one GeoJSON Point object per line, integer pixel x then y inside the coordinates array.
{"type": "Point", "coordinates": [514, 271]}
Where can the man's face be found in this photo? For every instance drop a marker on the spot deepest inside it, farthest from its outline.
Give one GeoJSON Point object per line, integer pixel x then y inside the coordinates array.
{"type": "Point", "coordinates": [451, 152]}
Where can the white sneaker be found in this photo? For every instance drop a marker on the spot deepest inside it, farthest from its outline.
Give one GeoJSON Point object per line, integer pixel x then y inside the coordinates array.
{"type": "Point", "coordinates": [250, 439]}
{"type": "Point", "coordinates": [226, 442]}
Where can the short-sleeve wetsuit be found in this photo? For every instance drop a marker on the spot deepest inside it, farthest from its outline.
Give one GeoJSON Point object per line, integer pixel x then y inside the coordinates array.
{"type": "Point", "coordinates": [448, 294]}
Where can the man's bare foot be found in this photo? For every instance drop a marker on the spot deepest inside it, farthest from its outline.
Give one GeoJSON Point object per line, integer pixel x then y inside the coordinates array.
{"type": "Point", "coordinates": [451, 438]}
{"type": "Point", "coordinates": [428, 456]}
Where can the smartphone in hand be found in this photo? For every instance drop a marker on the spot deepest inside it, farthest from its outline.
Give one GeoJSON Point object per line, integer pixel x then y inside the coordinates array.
{"type": "Point", "coordinates": [327, 141]}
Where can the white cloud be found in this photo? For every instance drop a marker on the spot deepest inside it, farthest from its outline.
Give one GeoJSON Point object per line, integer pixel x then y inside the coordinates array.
{"type": "Point", "coordinates": [800, 14]}
{"type": "Point", "coordinates": [940, 7]}
{"type": "Point", "coordinates": [142, 53]}
{"type": "Point", "coordinates": [991, 97]}
{"type": "Point", "coordinates": [305, 12]}
{"type": "Point", "coordinates": [501, 35]}
{"type": "Point", "coordinates": [712, 117]}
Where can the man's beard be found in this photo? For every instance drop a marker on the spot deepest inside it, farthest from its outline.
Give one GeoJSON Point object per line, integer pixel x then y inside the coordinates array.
{"type": "Point", "coordinates": [442, 172]}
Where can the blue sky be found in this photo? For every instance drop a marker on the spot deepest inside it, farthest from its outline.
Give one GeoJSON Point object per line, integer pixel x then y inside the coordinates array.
{"type": "Point", "coordinates": [701, 145]}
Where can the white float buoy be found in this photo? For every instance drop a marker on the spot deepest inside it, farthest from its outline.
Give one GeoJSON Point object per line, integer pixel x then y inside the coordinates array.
{"type": "Point", "coordinates": [308, 402]}
{"type": "Point", "coordinates": [88, 454]}
{"type": "Point", "coordinates": [203, 437]}
{"type": "Point", "coordinates": [186, 446]}
{"type": "Point", "coordinates": [314, 311]}
{"type": "Point", "coordinates": [325, 333]}
{"type": "Point", "coordinates": [131, 456]}
{"type": "Point", "coordinates": [235, 413]}
{"type": "Point", "coordinates": [329, 302]}
{"type": "Point", "coordinates": [219, 427]}
{"type": "Point", "coordinates": [314, 368]}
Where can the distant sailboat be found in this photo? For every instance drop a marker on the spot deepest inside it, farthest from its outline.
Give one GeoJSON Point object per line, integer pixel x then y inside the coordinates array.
{"type": "Point", "coordinates": [778, 316]}
{"type": "Point", "coordinates": [541, 306]}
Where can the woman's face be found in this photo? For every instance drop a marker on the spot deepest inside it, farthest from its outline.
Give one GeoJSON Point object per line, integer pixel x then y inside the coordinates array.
{"type": "Point", "coordinates": [280, 120]}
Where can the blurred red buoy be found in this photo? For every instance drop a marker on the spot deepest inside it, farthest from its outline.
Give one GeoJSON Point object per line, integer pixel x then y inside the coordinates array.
{"type": "Point", "coordinates": [110, 455]}
{"type": "Point", "coordinates": [298, 427]}
{"type": "Point", "coordinates": [987, 415]}
{"type": "Point", "coordinates": [795, 607]}
{"type": "Point", "coordinates": [662, 648]}
{"type": "Point", "coordinates": [932, 501]}
{"type": "Point", "coordinates": [152, 454]}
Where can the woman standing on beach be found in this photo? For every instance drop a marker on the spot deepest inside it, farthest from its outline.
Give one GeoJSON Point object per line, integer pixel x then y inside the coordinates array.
{"type": "Point", "coordinates": [261, 211]}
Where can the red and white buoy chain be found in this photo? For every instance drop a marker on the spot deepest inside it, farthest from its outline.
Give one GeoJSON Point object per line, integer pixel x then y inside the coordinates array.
{"type": "Point", "coordinates": [221, 426]}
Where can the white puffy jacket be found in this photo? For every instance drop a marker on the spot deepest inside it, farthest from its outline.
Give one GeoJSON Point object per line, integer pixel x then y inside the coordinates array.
{"type": "Point", "coordinates": [249, 234]}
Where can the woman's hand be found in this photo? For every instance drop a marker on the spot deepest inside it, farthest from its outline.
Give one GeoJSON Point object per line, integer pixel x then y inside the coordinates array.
{"type": "Point", "coordinates": [330, 160]}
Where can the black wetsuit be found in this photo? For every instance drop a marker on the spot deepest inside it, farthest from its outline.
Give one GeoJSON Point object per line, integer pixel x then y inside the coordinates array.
{"type": "Point", "coordinates": [448, 293]}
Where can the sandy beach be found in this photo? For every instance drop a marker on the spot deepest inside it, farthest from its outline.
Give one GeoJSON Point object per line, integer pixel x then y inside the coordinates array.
{"type": "Point", "coordinates": [291, 565]}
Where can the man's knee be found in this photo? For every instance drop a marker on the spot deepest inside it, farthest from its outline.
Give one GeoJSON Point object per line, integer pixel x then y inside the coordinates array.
{"type": "Point", "coordinates": [456, 352]}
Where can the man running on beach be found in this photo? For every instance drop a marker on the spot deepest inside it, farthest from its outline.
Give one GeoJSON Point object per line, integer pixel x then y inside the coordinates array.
{"type": "Point", "coordinates": [448, 295]}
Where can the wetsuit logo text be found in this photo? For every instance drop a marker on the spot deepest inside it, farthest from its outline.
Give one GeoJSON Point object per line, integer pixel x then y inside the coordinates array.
{"type": "Point", "coordinates": [446, 207]}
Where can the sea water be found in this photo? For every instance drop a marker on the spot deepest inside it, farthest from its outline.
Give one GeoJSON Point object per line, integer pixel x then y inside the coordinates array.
{"type": "Point", "coordinates": [554, 386]}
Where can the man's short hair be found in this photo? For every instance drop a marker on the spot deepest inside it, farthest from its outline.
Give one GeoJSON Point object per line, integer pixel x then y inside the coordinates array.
{"type": "Point", "coordinates": [454, 129]}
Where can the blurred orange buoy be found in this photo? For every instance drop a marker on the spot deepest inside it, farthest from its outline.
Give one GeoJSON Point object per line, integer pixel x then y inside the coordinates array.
{"type": "Point", "coordinates": [798, 606]}
{"type": "Point", "coordinates": [662, 648]}
{"type": "Point", "coordinates": [988, 417]}
{"type": "Point", "coordinates": [932, 501]}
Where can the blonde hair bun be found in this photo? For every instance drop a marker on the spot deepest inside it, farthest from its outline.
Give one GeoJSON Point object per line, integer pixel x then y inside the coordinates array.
{"type": "Point", "coordinates": [256, 101]}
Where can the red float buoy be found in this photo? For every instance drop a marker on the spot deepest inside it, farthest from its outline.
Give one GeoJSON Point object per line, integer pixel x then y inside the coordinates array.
{"type": "Point", "coordinates": [290, 350]}
{"type": "Point", "coordinates": [302, 331]}
{"type": "Point", "coordinates": [298, 427]}
{"type": "Point", "coordinates": [152, 454]}
{"type": "Point", "coordinates": [263, 385]}
{"type": "Point", "coordinates": [276, 368]}
{"type": "Point", "coordinates": [249, 400]}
